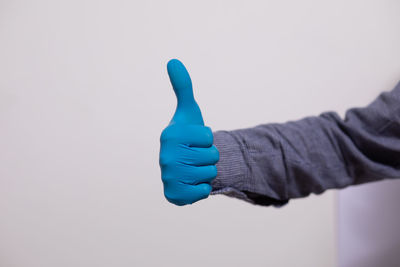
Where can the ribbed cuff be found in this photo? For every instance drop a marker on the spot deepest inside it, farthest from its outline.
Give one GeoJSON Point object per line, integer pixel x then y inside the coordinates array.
{"type": "Point", "coordinates": [235, 178]}
{"type": "Point", "coordinates": [232, 168]}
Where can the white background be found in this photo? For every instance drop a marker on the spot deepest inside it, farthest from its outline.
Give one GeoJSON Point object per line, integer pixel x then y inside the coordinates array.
{"type": "Point", "coordinates": [84, 95]}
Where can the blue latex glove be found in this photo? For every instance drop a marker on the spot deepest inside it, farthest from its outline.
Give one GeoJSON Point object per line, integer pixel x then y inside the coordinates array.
{"type": "Point", "coordinates": [187, 154]}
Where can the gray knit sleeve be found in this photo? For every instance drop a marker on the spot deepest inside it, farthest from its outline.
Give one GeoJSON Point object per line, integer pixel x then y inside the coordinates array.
{"type": "Point", "coordinates": [273, 163]}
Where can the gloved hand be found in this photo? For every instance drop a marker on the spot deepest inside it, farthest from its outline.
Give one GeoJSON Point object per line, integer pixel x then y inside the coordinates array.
{"type": "Point", "coordinates": [187, 154]}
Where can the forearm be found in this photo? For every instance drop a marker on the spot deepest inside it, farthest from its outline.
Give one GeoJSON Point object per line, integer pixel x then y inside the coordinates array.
{"type": "Point", "coordinates": [273, 163]}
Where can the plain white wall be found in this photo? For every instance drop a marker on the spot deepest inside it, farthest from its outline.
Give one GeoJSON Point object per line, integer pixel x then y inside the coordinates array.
{"type": "Point", "coordinates": [84, 95]}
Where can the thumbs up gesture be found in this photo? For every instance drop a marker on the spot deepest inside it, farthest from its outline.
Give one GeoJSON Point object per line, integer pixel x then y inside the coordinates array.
{"type": "Point", "coordinates": [187, 154]}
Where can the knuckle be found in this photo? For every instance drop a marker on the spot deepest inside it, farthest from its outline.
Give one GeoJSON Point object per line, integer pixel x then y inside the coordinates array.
{"type": "Point", "coordinates": [205, 191]}
{"type": "Point", "coordinates": [165, 160]}
{"type": "Point", "coordinates": [167, 179]}
{"type": "Point", "coordinates": [214, 153]}
{"type": "Point", "coordinates": [208, 135]}
{"type": "Point", "coordinates": [214, 171]}
{"type": "Point", "coordinates": [163, 136]}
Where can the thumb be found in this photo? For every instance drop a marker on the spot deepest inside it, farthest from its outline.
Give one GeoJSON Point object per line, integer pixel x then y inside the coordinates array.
{"type": "Point", "coordinates": [187, 110]}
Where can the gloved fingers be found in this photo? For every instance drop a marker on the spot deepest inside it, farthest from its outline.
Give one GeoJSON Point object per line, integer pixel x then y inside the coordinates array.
{"type": "Point", "coordinates": [188, 134]}
{"type": "Point", "coordinates": [189, 174]}
{"type": "Point", "coordinates": [197, 175]}
{"type": "Point", "coordinates": [198, 156]}
{"type": "Point", "coordinates": [182, 194]}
